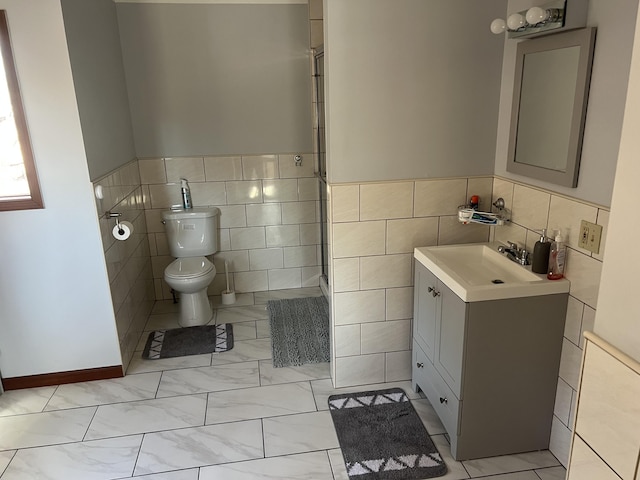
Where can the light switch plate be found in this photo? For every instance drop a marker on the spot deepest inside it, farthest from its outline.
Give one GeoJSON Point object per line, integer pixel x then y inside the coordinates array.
{"type": "Point", "coordinates": [590, 235]}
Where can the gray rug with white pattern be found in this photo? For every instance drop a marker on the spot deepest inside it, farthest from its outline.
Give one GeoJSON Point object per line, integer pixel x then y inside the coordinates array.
{"type": "Point", "coordinates": [299, 331]}
{"type": "Point", "coordinates": [180, 342]}
{"type": "Point", "coordinates": [383, 438]}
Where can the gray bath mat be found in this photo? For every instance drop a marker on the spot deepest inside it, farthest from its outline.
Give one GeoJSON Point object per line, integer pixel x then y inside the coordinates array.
{"type": "Point", "coordinates": [299, 331]}
{"type": "Point", "coordinates": [383, 438]}
{"type": "Point", "coordinates": [179, 342]}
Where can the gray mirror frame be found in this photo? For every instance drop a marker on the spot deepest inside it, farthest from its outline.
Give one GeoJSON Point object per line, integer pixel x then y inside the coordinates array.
{"type": "Point", "coordinates": [585, 39]}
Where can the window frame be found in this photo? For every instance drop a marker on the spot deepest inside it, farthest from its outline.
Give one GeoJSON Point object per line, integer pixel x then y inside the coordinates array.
{"type": "Point", "coordinates": [34, 199]}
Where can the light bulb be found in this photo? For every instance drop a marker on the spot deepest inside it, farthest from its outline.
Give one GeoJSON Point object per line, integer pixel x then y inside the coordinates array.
{"type": "Point", "coordinates": [515, 21]}
{"type": "Point", "coordinates": [498, 26]}
{"type": "Point", "coordinates": [537, 15]}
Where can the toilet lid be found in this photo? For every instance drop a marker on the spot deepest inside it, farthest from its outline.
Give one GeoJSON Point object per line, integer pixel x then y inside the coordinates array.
{"type": "Point", "coordinates": [191, 267]}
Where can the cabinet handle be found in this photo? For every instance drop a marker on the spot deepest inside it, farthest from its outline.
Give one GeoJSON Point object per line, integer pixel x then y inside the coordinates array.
{"type": "Point", "coordinates": [444, 400]}
{"type": "Point", "coordinates": [419, 364]}
{"type": "Point", "coordinates": [433, 291]}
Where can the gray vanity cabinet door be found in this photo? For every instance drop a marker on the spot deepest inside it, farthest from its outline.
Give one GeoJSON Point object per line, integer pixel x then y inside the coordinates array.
{"type": "Point", "coordinates": [426, 310]}
{"type": "Point", "coordinates": [450, 335]}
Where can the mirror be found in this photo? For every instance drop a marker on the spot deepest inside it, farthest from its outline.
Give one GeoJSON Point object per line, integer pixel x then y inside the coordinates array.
{"type": "Point", "coordinates": [549, 106]}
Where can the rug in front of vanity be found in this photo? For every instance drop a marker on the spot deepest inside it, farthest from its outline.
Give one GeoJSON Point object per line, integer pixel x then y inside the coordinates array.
{"type": "Point", "coordinates": [180, 342]}
{"type": "Point", "coordinates": [383, 438]}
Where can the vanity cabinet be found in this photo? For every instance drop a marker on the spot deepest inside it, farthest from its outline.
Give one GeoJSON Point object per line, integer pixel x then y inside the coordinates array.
{"type": "Point", "coordinates": [489, 368]}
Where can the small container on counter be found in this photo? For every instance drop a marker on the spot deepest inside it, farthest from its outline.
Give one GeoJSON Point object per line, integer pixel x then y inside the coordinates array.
{"type": "Point", "coordinates": [541, 251]}
{"type": "Point", "coordinates": [557, 257]}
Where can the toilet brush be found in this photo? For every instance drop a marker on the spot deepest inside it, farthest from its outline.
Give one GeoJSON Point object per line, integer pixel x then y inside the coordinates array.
{"type": "Point", "coordinates": [228, 296]}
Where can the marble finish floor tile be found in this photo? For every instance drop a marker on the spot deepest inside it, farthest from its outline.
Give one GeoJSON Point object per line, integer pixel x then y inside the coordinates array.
{"type": "Point", "coordinates": [455, 470]}
{"type": "Point", "coordinates": [262, 298]}
{"type": "Point", "coordinates": [5, 458]}
{"type": "Point", "coordinates": [244, 331]}
{"type": "Point", "coordinates": [200, 446]}
{"type": "Point", "coordinates": [323, 389]}
{"type": "Point", "coordinates": [291, 467]}
{"type": "Point", "coordinates": [428, 416]}
{"type": "Point", "coordinates": [98, 460]}
{"type": "Point", "coordinates": [242, 299]}
{"type": "Point", "coordinates": [529, 475]}
{"type": "Point", "coordinates": [29, 400]}
{"type": "Point", "coordinates": [141, 365]}
{"type": "Point", "coordinates": [269, 375]}
{"type": "Point", "coordinates": [337, 464]}
{"type": "Point", "coordinates": [305, 432]}
{"type": "Point", "coordinates": [510, 463]}
{"type": "Point", "coordinates": [190, 474]}
{"type": "Point", "coordinates": [49, 428]}
{"type": "Point", "coordinates": [260, 402]}
{"type": "Point", "coordinates": [147, 416]}
{"type": "Point", "coordinates": [162, 321]}
{"type": "Point", "coordinates": [263, 329]}
{"type": "Point", "coordinates": [552, 473]}
{"type": "Point", "coordinates": [165, 306]}
{"type": "Point", "coordinates": [244, 351]}
{"type": "Point", "coordinates": [209, 379]}
{"type": "Point", "coordinates": [242, 314]}
{"type": "Point", "coordinates": [100, 392]}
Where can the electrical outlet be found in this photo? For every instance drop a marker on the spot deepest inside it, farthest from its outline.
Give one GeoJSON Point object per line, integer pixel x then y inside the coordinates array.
{"type": "Point", "coordinates": [590, 235]}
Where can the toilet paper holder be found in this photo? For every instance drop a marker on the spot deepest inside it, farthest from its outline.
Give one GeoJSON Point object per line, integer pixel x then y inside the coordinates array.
{"type": "Point", "coordinates": [116, 215]}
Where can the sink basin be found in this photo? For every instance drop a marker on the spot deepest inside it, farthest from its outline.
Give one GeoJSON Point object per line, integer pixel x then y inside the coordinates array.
{"type": "Point", "coordinates": [478, 272]}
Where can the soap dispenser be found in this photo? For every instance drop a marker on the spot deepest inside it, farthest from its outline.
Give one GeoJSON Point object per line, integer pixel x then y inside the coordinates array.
{"type": "Point", "coordinates": [556, 258]}
{"type": "Point", "coordinates": [186, 194]}
{"type": "Point", "coordinates": [541, 252]}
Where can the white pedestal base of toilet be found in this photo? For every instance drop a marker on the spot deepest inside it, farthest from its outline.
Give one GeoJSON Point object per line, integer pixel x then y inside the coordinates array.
{"type": "Point", "coordinates": [195, 309]}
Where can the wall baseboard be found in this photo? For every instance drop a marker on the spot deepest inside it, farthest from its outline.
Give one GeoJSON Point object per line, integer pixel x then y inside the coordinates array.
{"type": "Point", "coordinates": [59, 378]}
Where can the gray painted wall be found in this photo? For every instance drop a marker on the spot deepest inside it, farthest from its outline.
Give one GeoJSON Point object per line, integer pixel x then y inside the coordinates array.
{"type": "Point", "coordinates": [98, 76]}
{"type": "Point", "coordinates": [412, 88]}
{"type": "Point", "coordinates": [217, 79]}
{"type": "Point", "coordinates": [615, 21]}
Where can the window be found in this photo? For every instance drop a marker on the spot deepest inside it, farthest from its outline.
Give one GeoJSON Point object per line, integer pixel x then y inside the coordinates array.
{"type": "Point", "coordinates": [19, 189]}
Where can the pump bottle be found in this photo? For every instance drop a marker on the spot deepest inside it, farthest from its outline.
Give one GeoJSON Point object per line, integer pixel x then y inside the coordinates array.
{"type": "Point", "coordinates": [186, 194]}
{"type": "Point", "coordinates": [556, 258]}
{"type": "Point", "coordinates": [541, 252]}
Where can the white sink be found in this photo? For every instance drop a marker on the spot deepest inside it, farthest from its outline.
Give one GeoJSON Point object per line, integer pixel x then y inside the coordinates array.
{"type": "Point", "coordinates": [478, 272]}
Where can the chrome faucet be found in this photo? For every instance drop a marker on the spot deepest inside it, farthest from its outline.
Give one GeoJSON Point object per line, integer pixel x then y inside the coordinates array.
{"type": "Point", "coordinates": [514, 253]}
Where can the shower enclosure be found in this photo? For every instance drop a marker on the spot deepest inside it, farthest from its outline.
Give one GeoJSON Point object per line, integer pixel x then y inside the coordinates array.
{"type": "Point", "coordinates": [320, 151]}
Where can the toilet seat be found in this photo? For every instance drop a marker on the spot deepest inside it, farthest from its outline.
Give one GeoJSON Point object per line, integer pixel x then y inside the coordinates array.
{"type": "Point", "coordinates": [189, 268]}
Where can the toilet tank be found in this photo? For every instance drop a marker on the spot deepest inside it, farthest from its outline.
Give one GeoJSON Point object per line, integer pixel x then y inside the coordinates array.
{"type": "Point", "coordinates": [192, 232]}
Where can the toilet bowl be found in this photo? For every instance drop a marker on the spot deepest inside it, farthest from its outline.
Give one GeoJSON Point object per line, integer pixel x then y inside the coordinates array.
{"type": "Point", "coordinates": [192, 234]}
{"type": "Point", "coordinates": [190, 277]}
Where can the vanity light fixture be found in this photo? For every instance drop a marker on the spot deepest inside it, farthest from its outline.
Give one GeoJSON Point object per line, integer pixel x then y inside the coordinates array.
{"type": "Point", "coordinates": [535, 20]}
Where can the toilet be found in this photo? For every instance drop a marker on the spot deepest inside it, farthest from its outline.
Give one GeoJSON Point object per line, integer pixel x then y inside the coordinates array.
{"type": "Point", "coordinates": [192, 234]}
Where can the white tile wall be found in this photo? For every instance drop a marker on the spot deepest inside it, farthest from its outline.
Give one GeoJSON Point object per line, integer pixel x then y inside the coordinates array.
{"type": "Point", "coordinates": [269, 230]}
{"type": "Point", "coordinates": [374, 229]}
{"type": "Point", "coordinates": [128, 262]}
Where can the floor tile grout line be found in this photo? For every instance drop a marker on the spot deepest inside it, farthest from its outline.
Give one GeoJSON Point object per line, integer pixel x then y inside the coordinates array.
{"type": "Point", "coordinates": [264, 440]}
{"type": "Point", "coordinates": [89, 424]}
{"type": "Point", "coordinates": [2, 472]}
{"type": "Point", "coordinates": [55, 390]}
{"type": "Point", "coordinates": [135, 463]}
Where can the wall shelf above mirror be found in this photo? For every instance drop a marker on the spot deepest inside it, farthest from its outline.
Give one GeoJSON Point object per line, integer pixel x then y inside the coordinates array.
{"type": "Point", "coordinates": [551, 88]}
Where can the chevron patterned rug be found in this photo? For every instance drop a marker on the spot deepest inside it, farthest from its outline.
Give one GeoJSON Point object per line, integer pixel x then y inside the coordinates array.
{"type": "Point", "coordinates": [180, 342]}
{"type": "Point", "coordinates": [383, 438]}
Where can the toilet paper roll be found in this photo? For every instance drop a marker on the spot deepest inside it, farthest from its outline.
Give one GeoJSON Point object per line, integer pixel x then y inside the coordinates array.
{"type": "Point", "coordinates": [122, 230]}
